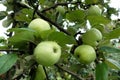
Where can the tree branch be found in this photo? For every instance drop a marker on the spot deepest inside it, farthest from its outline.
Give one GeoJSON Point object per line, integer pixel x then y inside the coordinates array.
{"type": "Point", "coordinates": [70, 72]}
{"type": "Point", "coordinates": [55, 24]}
{"type": "Point", "coordinates": [62, 4]}
{"type": "Point", "coordinates": [47, 19]}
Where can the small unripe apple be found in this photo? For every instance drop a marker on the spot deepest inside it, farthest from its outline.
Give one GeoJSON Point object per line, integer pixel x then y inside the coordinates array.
{"type": "Point", "coordinates": [85, 54]}
{"type": "Point", "coordinates": [92, 37]}
{"type": "Point", "coordinates": [60, 9]}
{"type": "Point", "coordinates": [47, 53]}
{"type": "Point", "coordinates": [94, 10]}
{"type": "Point", "coordinates": [40, 73]}
{"type": "Point", "coordinates": [39, 25]}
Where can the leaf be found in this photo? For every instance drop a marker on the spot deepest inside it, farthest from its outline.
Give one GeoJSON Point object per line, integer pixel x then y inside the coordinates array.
{"type": "Point", "coordinates": [41, 1]}
{"type": "Point", "coordinates": [95, 20]}
{"type": "Point", "coordinates": [108, 49]}
{"type": "Point", "coordinates": [61, 38]}
{"type": "Point", "coordinates": [91, 1]}
{"type": "Point", "coordinates": [101, 71]}
{"type": "Point", "coordinates": [24, 15]}
{"type": "Point", "coordinates": [22, 34]}
{"type": "Point", "coordinates": [113, 34]}
{"type": "Point", "coordinates": [72, 30]}
{"type": "Point", "coordinates": [7, 22]}
{"type": "Point", "coordinates": [3, 14]}
{"type": "Point", "coordinates": [45, 34]}
{"type": "Point", "coordinates": [21, 37]}
{"type": "Point", "coordinates": [77, 15]}
{"type": "Point", "coordinates": [112, 64]}
{"type": "Point", "coordinates": [20, 30]}
{"type": "Point", "coordinates": [6, 62]}
{"type": "Point", "coordinates": [40, 73]}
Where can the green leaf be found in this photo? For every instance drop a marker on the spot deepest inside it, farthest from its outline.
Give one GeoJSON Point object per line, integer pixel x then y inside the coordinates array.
{"type": "Point", "coordinates": [24, 15]}
{"type": "Point", "coordinates": [41, 1]}
{"type": "Point", "coordinates": [21, 35]}
{"type": "Point", "coordinates": [3, 14]}
{"type": "Point", "coordinates": [95, 20]}
{"type": "Point", "coordinates": [6, 62]}
{"type": "Point", "coordinates": [101, 71]}
{"type": "Point", "coordinates": [7, 22]}
{"type": "Point", "coordinates": [91, 1]}
{"type": "Point", "coordinates": [113, 34]}
{"type": "Point", "coordinates": [108, 49]}
{"type": "Point", "coordinates": [44, 35]}
{"type": "Point", "coordinates": [112, 64]}
{"type": "Point", "coordinates": [77, 15]}
{"type": "Point", "coordinates": [17, 30]}
{"type": "Point", "coordinates": [72, 30]}
{"type": "Point", "coordinates": [61, 38]}
{"type": "Point", "coordinates": [40, 73]}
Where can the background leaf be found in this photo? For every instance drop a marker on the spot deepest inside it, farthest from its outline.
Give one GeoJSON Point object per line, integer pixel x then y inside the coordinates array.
{"type": "Point", "coordinates": [77, 15]}
{"type": "Point", "coordinates": [113, 34]}
{"type": "Point", "coordinates": [108, 49]}
{"type": "Point", "coordinates": [112, 64]}
{"type": "Point", "coordinates": [3, 14]}
{"type": "Point", "coordinates": [91, 1]}
{"type": "Point", "coordinates": [24, 15]}
{"type": "Point", "coordinates": [61, 38]}
{"type": "Point", "coordinates": [95, 20]}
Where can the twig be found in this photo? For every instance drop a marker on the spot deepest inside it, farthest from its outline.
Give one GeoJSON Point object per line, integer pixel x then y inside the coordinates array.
{"type": "Point", "coordinates": [46, 73]}
{"type": "Point", "coordinates": [35, 11]}
{"type": "Point", "coordinates": [70, 72]}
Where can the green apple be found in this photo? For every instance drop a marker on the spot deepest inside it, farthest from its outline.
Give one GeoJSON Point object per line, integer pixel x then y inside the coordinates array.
{"type": "Point", "coordinates": [39, 25]}
{"type": "Point", "coordinates": [1, 54]}
{"type": "Point", "coordinates": [92, 37]}
{"type": "Point", "coordinates": [47, 53]}
{"type": "Point", "coordinates": [94, 10]}
{"type": "Point", "coordinates": [60, 9]}
{"type": "Point", "coordinates": [85, 54]}
{"type": "Point", "coordinates": [40, 73]}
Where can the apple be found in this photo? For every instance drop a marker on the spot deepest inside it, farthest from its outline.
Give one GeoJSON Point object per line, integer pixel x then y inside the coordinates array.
{"type": "Point", "coordinates": [85, 54]}
{"type": "Point", "coordinates": [94, 10]}
{"type": "Point", "coordinates": [39, 25]}
{"type": "Point", "coordinates": [92, 37]}
{"type": "Point", "coordinates": [1, 54]}
{"type": "Point", "coordinates": [40, 73]}
{"type": "Point", "coordinates": [47, 53]}
{"type": "Point", "coordinates": [60, 9]}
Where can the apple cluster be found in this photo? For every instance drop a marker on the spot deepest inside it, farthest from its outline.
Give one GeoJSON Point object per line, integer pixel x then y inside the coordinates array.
{"type": "Point", "coordinates": [46, 53]}
{"type": "Point", "coordinates": [85, 53]}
